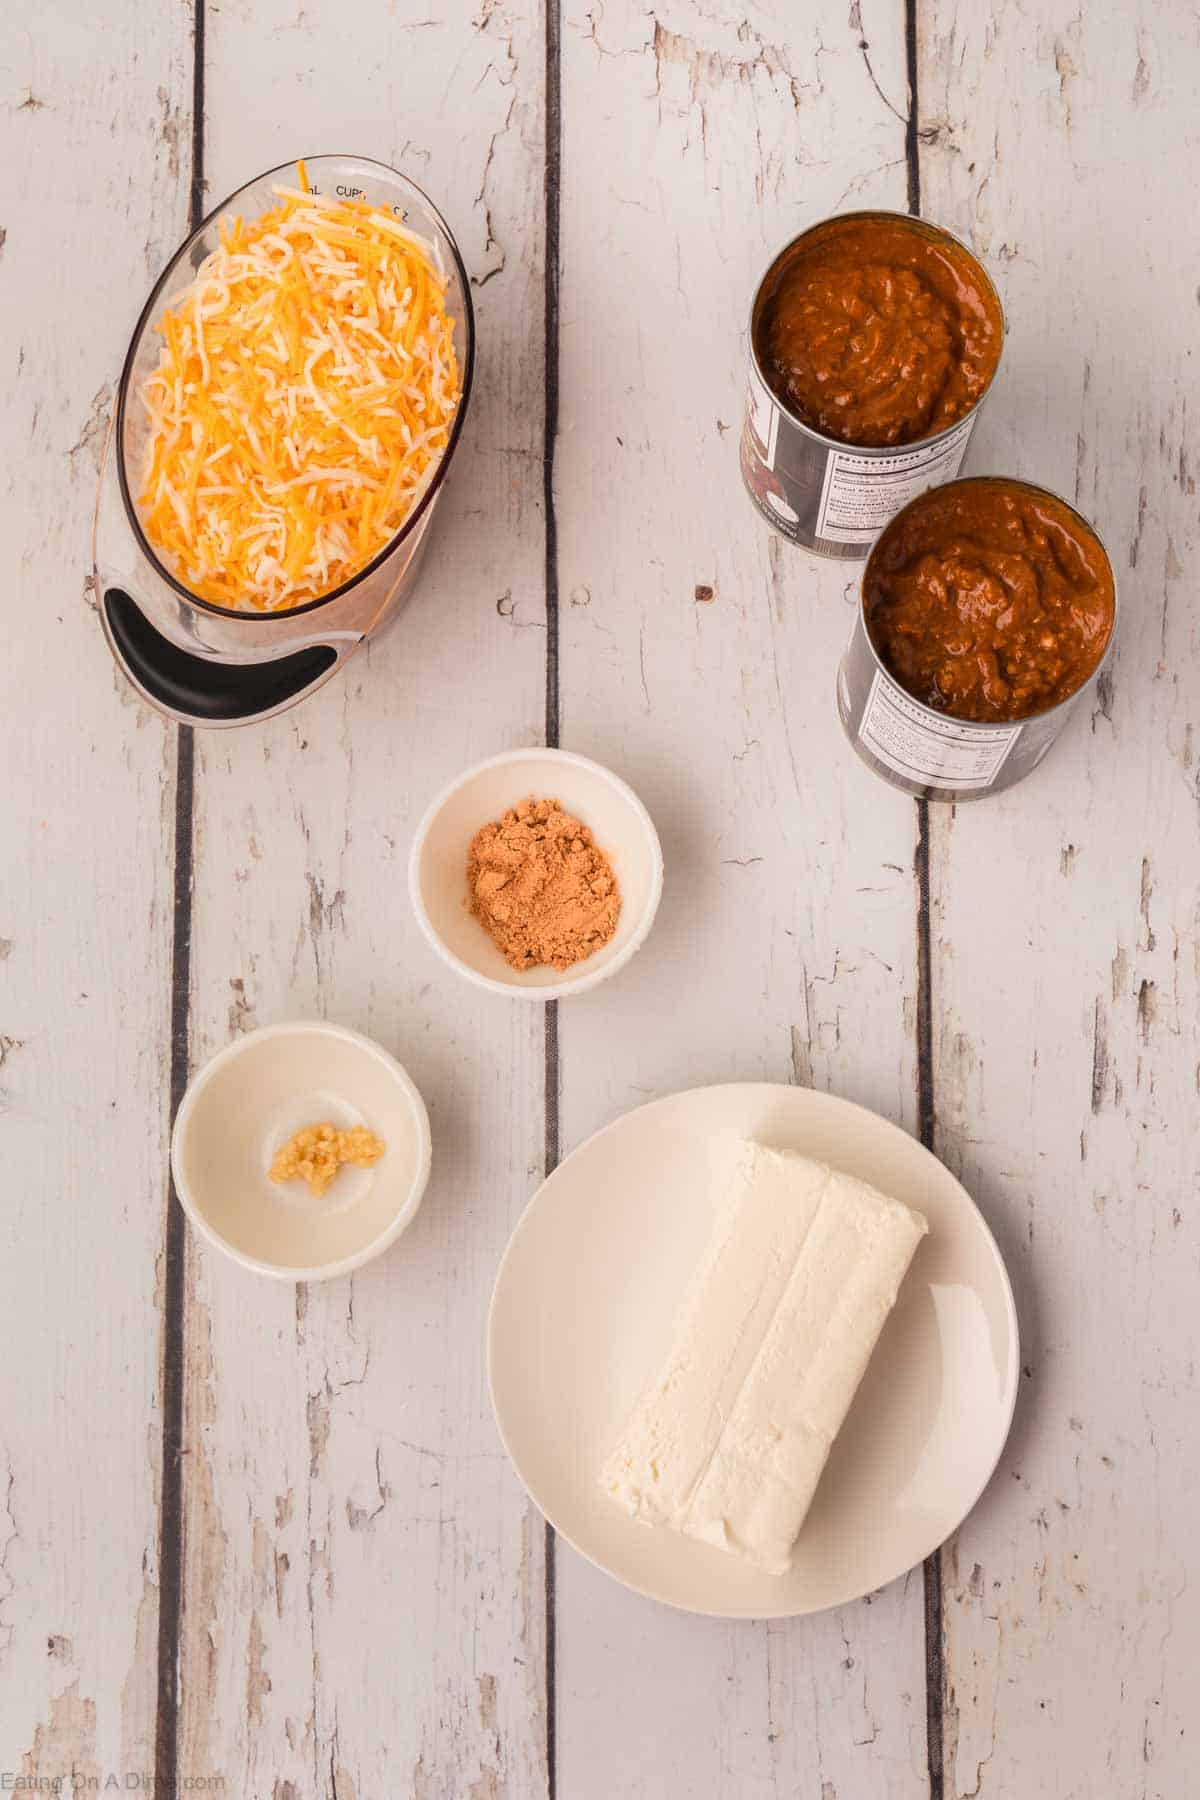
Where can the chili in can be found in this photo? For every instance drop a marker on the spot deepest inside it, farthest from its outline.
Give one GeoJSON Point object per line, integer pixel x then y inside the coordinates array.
{"type": "Point", "coordinates": [874, 339]}
{"type": "Point", "coordinates": [987, 608]}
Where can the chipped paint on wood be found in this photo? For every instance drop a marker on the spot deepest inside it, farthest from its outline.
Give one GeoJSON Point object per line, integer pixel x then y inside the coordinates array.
{"type": "Point", "coordinates": [1067, 1044]}
{"type": "Point", "coordinates": [63, 1753]}
{"type": "Point", "coordinates": [86, 797]}
{"type": "Point", "coordinates": [377, 1558]}
{"type": "Point", "coordinates": [702, 669]}
{"type": "Point", "coordinates": [207, 1627]}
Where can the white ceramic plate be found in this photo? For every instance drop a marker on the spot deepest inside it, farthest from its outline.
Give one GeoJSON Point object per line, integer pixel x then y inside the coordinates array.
{"type": "Point", "coordinates": [582, 1316]}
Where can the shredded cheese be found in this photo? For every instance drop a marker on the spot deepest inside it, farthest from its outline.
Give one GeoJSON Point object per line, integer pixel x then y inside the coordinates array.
{"type": "Point", "coordinates": [304, 396]}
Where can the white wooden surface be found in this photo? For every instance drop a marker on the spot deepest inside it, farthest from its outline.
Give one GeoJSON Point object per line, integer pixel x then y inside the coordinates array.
{"type": "Point", "coordinates": [368, 1604]}
{"type": "Point", "coordinates": [786, 931]}
{"type": "Point", "coordinates": [93, 194]}
{"type": "Point", "coordinates": [1067, 968]}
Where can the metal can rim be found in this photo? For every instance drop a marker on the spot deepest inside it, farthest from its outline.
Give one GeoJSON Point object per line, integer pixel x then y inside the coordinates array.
{"type": "Point", "coordinates": [1048, 712]}
{"type": "Point", "coordinates": [876, 450]}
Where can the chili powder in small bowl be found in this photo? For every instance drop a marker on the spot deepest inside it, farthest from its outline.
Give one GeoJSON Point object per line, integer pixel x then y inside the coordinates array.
{"type": "Point", "coordinates": [456, 871]}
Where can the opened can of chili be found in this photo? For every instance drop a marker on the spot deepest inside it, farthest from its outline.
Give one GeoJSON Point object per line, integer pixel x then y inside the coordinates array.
{"type": "Point", "coordinates": [987, 608]}
{"type": "Point", "coordinates": [874, 339]}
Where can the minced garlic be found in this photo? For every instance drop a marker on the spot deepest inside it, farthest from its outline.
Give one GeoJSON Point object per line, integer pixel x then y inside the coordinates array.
{"type": "Point", "coordinates": [316, 1153]}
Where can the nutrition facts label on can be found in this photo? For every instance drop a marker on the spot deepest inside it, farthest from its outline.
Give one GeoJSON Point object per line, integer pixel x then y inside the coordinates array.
{"type": "Point", "coordinates": [861, 493]}
{"type": "Point", "coordinates": [941, 752]}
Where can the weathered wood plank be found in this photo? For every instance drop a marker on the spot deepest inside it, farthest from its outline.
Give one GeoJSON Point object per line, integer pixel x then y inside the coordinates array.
{"type": "Point", "coordinates": [93, 189]}
{"type": "Point", "coordinates": [1065, 922]}
{"type": "Point", "coordinates": [364, 1608]}
{"type": "Point", "coordinates": [698, 658]}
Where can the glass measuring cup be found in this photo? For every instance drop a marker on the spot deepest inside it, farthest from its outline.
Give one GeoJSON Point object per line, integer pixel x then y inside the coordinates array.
{"type": "Point", "coordinates": [214, 665]}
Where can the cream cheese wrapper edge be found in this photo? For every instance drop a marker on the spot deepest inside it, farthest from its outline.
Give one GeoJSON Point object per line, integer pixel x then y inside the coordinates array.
{"type": "Point", "coordinates": [772, 1339]}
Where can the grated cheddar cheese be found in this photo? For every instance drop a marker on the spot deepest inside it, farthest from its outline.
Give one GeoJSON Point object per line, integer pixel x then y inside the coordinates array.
{"type": "Point", "coordinates": [304, 395]}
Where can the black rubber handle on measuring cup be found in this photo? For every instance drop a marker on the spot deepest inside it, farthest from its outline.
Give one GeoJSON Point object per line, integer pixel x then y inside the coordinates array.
{"type": "Point", "coordinates": [218, 693]}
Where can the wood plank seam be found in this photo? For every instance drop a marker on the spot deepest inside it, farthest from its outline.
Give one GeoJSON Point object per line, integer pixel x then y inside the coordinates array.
{"type": "Point", "coordinates": [935, 1669]}
{"type": "Point", "coordinates": [552, 1146]}
{"type": "Point", "coordinates": [935, 1672]}
{"type": "Point", "coordinates": [170, 1507]}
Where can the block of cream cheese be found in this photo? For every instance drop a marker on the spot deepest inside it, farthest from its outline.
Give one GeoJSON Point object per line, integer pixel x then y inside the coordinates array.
{"type": "Point", "coordinates": [772, 1339]}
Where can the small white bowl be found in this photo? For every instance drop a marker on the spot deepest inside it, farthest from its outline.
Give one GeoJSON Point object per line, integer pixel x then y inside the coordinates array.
{"type": "Point", "coordinates": [249, 1100]}
{"type": "Point", "coordinates": [437, 869]}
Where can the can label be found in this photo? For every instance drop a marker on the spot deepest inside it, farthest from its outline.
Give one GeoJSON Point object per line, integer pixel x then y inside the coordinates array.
{"type": "Point", "coordinates": [928, 749]}
{"type": "Point", "coordinates": [760, 456]}
{"type": "Point", "coordinates": [862, 494]}
{"type": "Point", "coordinates": [762, 415]}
